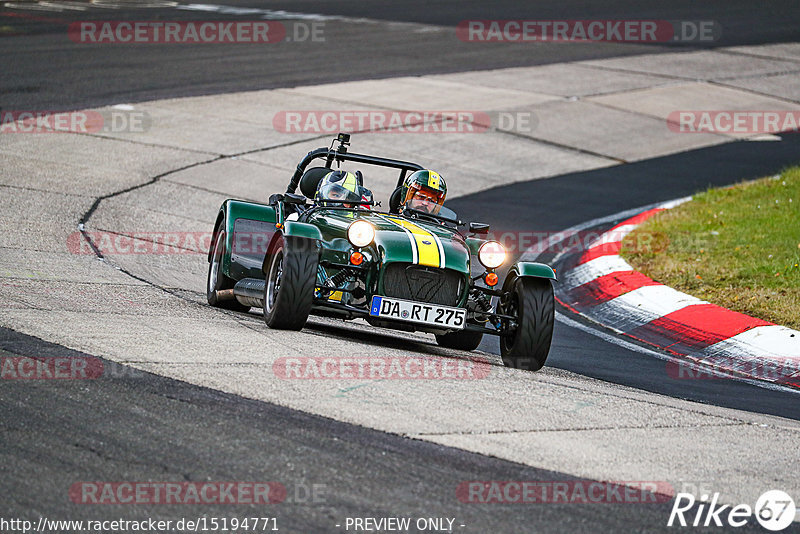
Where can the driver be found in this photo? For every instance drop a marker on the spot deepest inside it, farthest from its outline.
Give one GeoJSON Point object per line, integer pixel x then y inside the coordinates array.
{"type": "Point", "coordinates": [342, 186]}
{"type": "Point", "coordinates": [424, 191]}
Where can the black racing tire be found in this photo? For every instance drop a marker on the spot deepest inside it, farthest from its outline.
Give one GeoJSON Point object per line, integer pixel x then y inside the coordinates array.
{"type": "Point", "coordinates": [531, 301]}
{"type": "Point", "coordinates": [290, 281]}
{"type": "Point", "coordinates": [217, 280]}
{"type": "Point", "coordinates": [461, 340]}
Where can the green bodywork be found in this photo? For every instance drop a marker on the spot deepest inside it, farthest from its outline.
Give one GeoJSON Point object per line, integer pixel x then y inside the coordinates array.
{"type": "Point", "coordinates": [251, 228]}
{"type": "Point", "coordinates": [392, 244]}
{"type": "Point", "coordinates": [532, 269]}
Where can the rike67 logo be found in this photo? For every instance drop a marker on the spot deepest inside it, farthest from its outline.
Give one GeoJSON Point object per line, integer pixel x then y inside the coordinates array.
{"type": "Point", "coordinates": [774, 510]}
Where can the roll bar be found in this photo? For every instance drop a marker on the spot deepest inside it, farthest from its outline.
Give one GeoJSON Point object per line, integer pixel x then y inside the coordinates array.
{"type": "Point", "coordinates": [341, 154]}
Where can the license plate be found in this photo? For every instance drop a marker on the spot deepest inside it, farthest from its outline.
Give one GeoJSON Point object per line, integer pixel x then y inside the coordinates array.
{"type": "Point", "coordinates": [418, 312]}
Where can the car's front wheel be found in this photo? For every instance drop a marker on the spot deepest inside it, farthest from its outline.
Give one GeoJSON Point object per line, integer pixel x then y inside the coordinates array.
{"type": "Point", "coordinates": [531, 301]}
{"type": "Point", "coordinates": [290, 281]}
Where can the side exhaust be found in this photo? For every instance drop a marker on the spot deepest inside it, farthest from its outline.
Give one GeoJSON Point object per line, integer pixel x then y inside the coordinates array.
{"type": "Point", "coordinates": [225, 294]}
{"type": "Point", "coordinates": [250, 292]}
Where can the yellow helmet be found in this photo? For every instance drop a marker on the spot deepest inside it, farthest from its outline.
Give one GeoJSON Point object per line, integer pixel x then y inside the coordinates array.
{"type": "Point", "coordinates": [338, 187]}
{"type": "Point", "coordinates": [424, 191]}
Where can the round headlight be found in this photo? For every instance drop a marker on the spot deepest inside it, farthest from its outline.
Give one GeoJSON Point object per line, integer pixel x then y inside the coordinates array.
{"type": "Point", "coordinates": [361, 233]}
{"type": "Point", "coordinates": [492, 254]}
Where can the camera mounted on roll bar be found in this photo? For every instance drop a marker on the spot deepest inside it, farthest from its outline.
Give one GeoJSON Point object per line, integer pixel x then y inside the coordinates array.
{"type": "Point", "coordinates": [344, 141]}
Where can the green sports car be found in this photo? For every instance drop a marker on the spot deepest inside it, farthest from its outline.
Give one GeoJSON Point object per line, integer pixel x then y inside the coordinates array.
{"type": "Point", "coordinates": [332, 252]}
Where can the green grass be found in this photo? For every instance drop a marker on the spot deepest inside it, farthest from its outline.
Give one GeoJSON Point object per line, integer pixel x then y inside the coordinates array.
{"type": "Point", "coordinates": [738, 247]}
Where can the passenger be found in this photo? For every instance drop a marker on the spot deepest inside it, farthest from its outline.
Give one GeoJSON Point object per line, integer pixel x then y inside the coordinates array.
{"type": "Point", "coordinates": [342, 188]}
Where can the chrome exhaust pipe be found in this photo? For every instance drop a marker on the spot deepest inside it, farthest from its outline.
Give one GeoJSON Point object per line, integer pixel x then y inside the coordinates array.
{"type": "Point", "coordinates": [250, 292]}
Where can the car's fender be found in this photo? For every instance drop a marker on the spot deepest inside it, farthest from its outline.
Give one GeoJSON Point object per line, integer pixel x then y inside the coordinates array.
{"type": "Point", "coordinates": [529, 269]}
{"type": "Point", "coordinates": [249, 226]}
{"type": "Point", "coordinates": [300, 232]}
{"type": "Point", "coordinates": [301, 229]}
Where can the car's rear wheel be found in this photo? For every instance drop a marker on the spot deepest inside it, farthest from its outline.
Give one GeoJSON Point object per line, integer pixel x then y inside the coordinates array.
{"type": "Point", "coordinates": [290, 281]}
{"type": "Point", "coordinates": [531, 301]}
{"type": "Point", "coordinates": [463, 340]}
{"type": "Point", "coordinates": [217, 281]}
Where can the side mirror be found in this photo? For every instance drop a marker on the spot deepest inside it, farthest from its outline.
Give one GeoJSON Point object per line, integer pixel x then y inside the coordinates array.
{"type": "Point", "coordinates": [478, 228]}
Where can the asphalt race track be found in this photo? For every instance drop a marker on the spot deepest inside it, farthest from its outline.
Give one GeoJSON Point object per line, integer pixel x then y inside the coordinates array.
{"type": "Point", "coordinates": [171, 429]}
{"type": "Point", "coordinates": [189, 392]}
{"type": "Point", "coordinates": [40, 70]}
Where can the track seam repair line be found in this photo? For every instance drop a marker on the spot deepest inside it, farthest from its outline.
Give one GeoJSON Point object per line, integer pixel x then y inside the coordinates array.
{"type": "Point", "coordinates": [711, 81]}
{"type": "Point", "coordinates": [563, 146]}
{"type": "Point", "coordinates": [36, 190]}
{"type": "Point", "coordinates": [581, 429]}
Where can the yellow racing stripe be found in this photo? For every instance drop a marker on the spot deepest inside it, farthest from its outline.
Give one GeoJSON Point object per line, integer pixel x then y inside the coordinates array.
{"type": "Point", "coordinates": [426, 243]}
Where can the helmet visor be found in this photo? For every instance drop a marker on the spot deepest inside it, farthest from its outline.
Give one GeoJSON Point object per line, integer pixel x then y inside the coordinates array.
{"type": "Point", "coordinates": [421, 201]}
{"type": "Point", "coordinates": [424, 199]}
{"type": "Point", "coordinates": [337, 193]}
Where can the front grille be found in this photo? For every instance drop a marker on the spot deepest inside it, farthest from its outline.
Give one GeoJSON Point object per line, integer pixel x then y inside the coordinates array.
{"type": "Point", "coordinates": [422, 284]}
